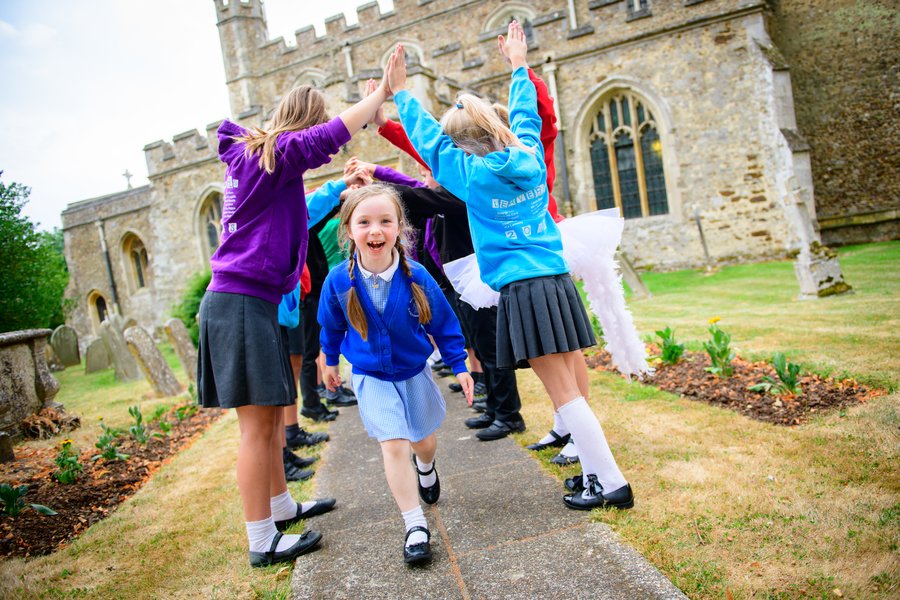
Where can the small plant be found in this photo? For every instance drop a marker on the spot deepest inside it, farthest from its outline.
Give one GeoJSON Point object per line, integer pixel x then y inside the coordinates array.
{"type": "Point", "coordinates": [68, 466]}
{"type": "Point", "coordinates": [165, 427]}
{"type": "Point", "coordinates": [159, 412]}
{"type": "Point", "coordinates": [788, 376]}
{"type": "Point", "coordinates": [185, 411]}
{"type": "Point", "coordinates": [108, 445]}
{"type": "Point", "coordinates": [138, 431]}
{"type": "Point", "coordinates": [671, 350]}
{"type": "Point", "coordinates": [719, 350]}
{"type": "Point", "coordinates": [13, 504]}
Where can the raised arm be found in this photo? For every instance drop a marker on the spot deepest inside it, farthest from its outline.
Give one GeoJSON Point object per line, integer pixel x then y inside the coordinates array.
{"type": "Point", "coordinates": [364, 111]}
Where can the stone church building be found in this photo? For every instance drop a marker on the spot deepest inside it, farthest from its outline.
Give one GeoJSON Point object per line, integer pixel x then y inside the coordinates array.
{"type": "Point", "coordinates": [677, 112]}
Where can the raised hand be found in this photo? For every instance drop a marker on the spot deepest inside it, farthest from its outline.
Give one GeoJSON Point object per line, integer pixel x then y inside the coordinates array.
{"type": "Point", "coordinates": [514, 47]}
{"type": "Point", "coordinates": [379, 119]}
{"type": "Point", "coordinates": [395, 74]}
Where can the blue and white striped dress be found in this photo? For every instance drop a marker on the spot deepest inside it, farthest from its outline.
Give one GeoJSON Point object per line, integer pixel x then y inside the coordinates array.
{"type": "Point", "coordinates": [411, 409]}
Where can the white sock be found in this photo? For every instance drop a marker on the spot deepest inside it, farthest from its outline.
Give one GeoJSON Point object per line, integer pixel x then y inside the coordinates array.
{"type": "Point", "coordinates": [261, 533]}
{"type": "Point", "coordinates": [593, 449]}
{"type": "Point", "coordinates": [411, 518]}
{"type": "Point", "coordinates": [435, 356]}
{"type": "Point", "coordinates": [559, 428]}
{"type": "Point", "coordinates": [426, 480]}
{"type": "Point", "coordinates": [283, 507]}
{"type": "Point", "coordinates": [569, 450]}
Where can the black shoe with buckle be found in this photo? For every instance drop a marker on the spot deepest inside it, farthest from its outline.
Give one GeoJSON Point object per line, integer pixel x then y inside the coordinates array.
{"type": "Point", "coordinates": [593, 497]}
{"type": "Point", "coordinates": [563, 460]}
{"type": "Point", "coordinates": [430, 494]}
{"type": "Point", "coordinates": [480, 422]}
{"type": "Point", "coordinates": [304, 438]}
{"type": "Point", "coordinates": [417, 553]}
{"type": "Point", "coordinates": [319, 415]}
{"type": "Point", "coordinates": [575, 484]}
{"type": "Point", "coordinates": [500, 429]}
{"type": "Point", "coordinates": [558, 441]}
{"type": "Point", "coordinates": [306, 543]}
{"type": "Point", "coordinates": [320, 507]}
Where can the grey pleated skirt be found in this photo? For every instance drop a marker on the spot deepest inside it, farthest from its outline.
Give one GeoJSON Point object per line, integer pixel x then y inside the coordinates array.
{"type": "Point", "coordinates": [540, 316]}
{"type": "Point", "coordinates": [241, 360]}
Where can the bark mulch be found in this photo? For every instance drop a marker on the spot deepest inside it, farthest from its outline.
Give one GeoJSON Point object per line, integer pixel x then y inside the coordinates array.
{"type": "Point", "coordinates": [102, 486]}
{"type": "Point", "coordinates": [689, 379]}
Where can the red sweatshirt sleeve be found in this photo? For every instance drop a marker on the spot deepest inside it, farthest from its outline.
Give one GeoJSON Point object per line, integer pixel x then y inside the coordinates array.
{"type": "Point", "coordinates": [548, 137]}
{"type": "Point", "coordinates": [393, 132]}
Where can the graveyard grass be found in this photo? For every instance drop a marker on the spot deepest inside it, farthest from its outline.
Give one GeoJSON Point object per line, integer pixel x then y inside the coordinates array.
{"type": "Point", "coordinates": [724, 504]}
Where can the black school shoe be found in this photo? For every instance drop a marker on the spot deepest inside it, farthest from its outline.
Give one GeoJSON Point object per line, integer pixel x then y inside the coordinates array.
{"type": "Point", "coordinates": [417, 553]}
{"type": "Point", "coordinates": [455, 387]}
{"type": "Point", "coordinates": [321, 507]}
{"type": "Point", "coordinates": [575, 484]}
{"type": "Point", "coordinates": [300, 462]}
{"type": "Point", "coordinates": [292, 473]}
{"type": "Point", "coordinates": [500, 429]}
{"type": "Point", "coordinates": [563, 460]}
{"type": "Point", "coordinates": [319, 415]}
{"type": "Point", "coordinates": [558, 441]}
{"type": "Point", "coordinates": [305, 438]}
{"type": "Point", "coordinates": [341, 397]}
{"type": "Point", "coordinates": [306, 543]}
{"type": "Point", "coordinates": [593, 497]}
{"type": "Point", "coordinates": [429, 495]}
{"type": "Point", "coordinates": [479, 422]}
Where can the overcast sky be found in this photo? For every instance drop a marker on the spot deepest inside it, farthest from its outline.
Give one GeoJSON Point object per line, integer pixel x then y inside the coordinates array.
{"type": "Point", "coordinates": [87, 83]}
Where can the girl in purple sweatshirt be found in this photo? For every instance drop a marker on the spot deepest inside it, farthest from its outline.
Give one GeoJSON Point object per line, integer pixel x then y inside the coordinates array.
{"type": "Point", "coordinates": [241, 362]}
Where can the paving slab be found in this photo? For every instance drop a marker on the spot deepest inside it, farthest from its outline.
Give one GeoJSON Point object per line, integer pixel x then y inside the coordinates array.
{"type": "Point", "coordinates": [500, 529]}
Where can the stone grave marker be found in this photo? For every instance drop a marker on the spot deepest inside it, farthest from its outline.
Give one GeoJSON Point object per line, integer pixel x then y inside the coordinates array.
{"type": "Point", "coordinates": [117, 350]}
{"type": "Point", "coordinates": [151, 362]}
{"type": "Point", "coordinates": [96, 357]}
{"type": "Point", "coordinates": [184, 347]}
{"type": "Point", "coordinates": [65, 344]}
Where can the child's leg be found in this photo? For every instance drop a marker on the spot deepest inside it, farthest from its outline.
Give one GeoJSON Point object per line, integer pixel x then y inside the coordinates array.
{"type": "Point", "coordinates": [424, 451]}
{"type": "Point", "coordinates": [402, 482]}
{"type": "Point", "coordinates": [559, 374]}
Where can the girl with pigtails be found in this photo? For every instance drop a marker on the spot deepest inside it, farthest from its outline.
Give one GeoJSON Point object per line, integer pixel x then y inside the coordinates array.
{"type": "Point", "coordinates": [499, 172]}
{"type": "Point", "coordinates": [377, 309]}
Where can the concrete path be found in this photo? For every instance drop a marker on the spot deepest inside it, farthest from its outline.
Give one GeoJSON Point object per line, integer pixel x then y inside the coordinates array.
{"type": "Point", "coordinates": [500, 529]}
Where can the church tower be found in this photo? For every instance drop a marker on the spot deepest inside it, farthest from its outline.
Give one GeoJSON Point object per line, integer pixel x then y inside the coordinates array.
{"type": "Point", "coordinates": [242, 29]}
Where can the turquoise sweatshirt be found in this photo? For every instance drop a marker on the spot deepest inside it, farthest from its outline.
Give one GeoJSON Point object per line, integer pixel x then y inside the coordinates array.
{"type": "Point", "coordinates": [505, 192]}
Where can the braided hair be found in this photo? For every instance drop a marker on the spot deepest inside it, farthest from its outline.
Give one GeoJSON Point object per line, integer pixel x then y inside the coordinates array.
{"type": "Point", "coordinates": [355, 313]}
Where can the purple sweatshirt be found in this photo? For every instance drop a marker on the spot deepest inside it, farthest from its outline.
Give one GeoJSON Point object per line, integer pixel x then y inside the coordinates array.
{"type": "Point", "coordinates": [264, 216]}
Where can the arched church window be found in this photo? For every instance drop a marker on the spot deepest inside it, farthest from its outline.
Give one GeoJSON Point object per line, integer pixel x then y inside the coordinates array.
{"type": "Point", "coordinates": [137, 261]}
{"type": "Point", "coordinates": [626, 157]}
{"type": "Point", "coordinates": [98, 309]}
{"type": "Point", "coordinates": [211, 223]}
{"type": "Point", "coordinates": [499, 20]}
{"type": "Point", "coordinates": [413, 51]}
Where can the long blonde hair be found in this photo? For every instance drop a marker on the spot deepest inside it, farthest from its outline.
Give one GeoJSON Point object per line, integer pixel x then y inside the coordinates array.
{"type": "Point", "coordinates": [302, 108]}
{"type": "Point", "coordinates": [355, 313]}
{"type": "Point", "coordinates": [475, 126]}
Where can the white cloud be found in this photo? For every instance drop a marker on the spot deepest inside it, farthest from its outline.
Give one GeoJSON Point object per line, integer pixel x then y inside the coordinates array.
{"type": "Point", "coordinates": [7, 31]}
{"type": "Point", "coordinates": [37, 34]}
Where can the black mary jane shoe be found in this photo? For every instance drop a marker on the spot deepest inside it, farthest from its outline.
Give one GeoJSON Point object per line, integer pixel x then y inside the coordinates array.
{"type": "Point", "coordinates": [306, 543]}
{"type": "Point", "coordinates": [319, 508]}
{"type": "Point", "coordinates": [417, 553]}
{"type": "Point", "coordinates": [575, 484]}
{"type": "Point", "coordinates": [558, 441]}
{"type": "Point", "coordinates": [563, 460]}
{"type": "Point", "coordinates": [429, 495]}
{"type": "Point", "coordinates": [622, 498]}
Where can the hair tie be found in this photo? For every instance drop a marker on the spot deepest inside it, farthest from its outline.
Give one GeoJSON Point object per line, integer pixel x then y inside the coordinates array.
{"type": "Point", "coordinates": [459, 105]}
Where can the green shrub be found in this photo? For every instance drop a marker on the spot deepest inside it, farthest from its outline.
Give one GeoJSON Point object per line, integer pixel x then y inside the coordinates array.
{"type": "Point", "coordinates": [719, 350]}
{"type": "Point", "coordinates": [189, 307]}
{"type": "Point", "coordinates": [671, 350]}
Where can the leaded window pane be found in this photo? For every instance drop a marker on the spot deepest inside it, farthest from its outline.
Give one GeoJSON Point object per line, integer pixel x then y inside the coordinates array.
{"type": "Point", "coordinates": [654, 175]}
{"type": "Point", "coordinates": [628, 183]}
{"type": "Point", "coordinates": [603, 188]}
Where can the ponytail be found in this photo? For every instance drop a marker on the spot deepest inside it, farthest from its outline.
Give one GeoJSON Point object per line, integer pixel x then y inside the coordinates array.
{"type": "Point", "coordinates": [475, 127]}
{"type": "Point", "coordinates": [355, 313]}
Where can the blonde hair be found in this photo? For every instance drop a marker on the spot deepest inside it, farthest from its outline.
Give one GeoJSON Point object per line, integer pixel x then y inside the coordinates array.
{"type": "Point", "coordinates": [475, 127]}
{"type": "Point", "coordinates": [302, 108]}
{"type": "Point", "coordinates": [355, 313]}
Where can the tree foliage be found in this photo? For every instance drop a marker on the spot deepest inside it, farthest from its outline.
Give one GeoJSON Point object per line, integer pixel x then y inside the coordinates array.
{"type": "Point", "coordinates": [189, 306]}
{"type": "Point", "coordinates": [33, 273]}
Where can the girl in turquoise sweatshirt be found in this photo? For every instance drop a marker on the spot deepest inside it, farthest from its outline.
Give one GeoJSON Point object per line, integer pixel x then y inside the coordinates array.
{"type": "Point", "coordinates": [500, 174]}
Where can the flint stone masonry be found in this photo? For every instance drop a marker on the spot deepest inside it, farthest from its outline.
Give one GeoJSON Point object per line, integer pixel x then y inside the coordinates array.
{"type": "Point", "coordinates": [711, 73]}
{"type": "Point", "coordinates": [96, 357]}
{"type": "Point", "coordinates": [122, 360]}
{"type": "Point", "coordinates": [26, 385]}
{"type": "Point", "coordinates": [65, 344]}
{"type": "Point", "coordinates": [184, 347]}
{"type": "Point", "coordinates": [151, 362]}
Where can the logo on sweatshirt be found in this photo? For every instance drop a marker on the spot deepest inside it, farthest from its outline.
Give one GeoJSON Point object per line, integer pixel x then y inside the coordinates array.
{"type": "Point", "coordinates": [232, 227]}
{"type": "Point", "coordinates": [231, 183]}
{"type": "Point", "coordinates": [512, 235]}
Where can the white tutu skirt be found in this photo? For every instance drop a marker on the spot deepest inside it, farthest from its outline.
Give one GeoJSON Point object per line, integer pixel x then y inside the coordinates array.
{"type": "Point", "coordinates": [589, 246]}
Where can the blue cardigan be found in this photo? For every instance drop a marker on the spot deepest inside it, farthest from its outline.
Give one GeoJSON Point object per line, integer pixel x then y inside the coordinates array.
{"type": "Point", "coordinates": [397, 345]}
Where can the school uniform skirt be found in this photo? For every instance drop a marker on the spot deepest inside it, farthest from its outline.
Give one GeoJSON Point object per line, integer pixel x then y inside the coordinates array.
{"type": "Point", "coordinates": [242, 360]}
{"type": "Point", "coordinates": [540, 316]}
{"type": "Point", "coordinates": [411, 409]}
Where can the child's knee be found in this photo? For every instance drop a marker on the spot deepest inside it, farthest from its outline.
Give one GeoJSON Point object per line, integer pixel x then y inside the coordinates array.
{"type": "Point", "coordinates": [395, 449]}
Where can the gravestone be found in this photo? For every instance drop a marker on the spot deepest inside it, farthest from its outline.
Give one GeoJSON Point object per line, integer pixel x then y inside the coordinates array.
{"type": "Point", "coordinates": [53, 363]}
{"type": "Point", "coordinates": [151, 362]}
{"type": "Point", "coordinates": [184, 347]}
{"type": "Point", "coordinates": [120, 357]}
{"type": "Point", "coordinates": [65, 344]}
{"type": "Point", "coordinates": [96, 357]}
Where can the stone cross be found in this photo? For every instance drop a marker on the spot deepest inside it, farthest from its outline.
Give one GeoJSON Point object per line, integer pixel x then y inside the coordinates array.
{"type": "Point", "coordinates": [127, 177]}
{"type": "Point", "coordinates": [151, 362]}
{"type": "Point", "coordinates": [64, 342]}
{"type": "Point", "coordinates": [184, 347]}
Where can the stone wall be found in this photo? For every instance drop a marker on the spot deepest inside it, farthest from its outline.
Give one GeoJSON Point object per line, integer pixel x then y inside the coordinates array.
{"type": "Point", "coordinates": [843, 60]}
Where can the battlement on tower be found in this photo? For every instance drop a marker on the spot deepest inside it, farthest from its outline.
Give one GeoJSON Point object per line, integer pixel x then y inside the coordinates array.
{"type": "Point", "coordinates": [185, 149]}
